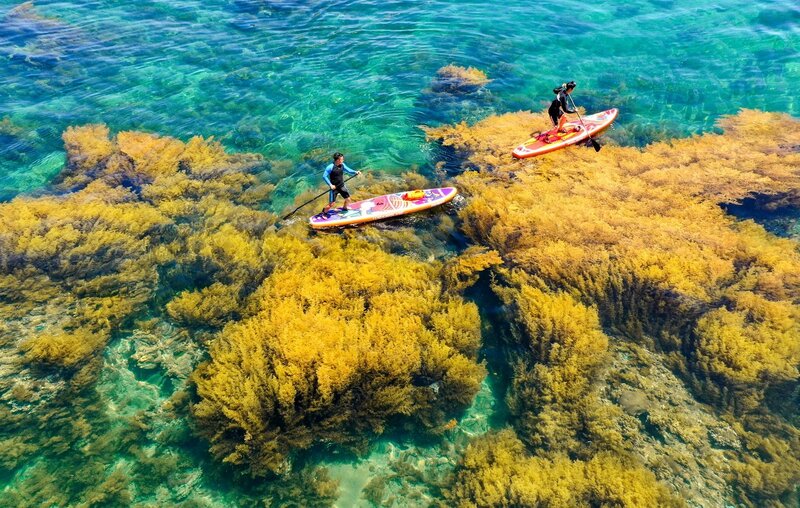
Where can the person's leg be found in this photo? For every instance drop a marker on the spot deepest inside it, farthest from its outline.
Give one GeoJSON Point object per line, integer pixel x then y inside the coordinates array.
{"type": "Point", "coordinates": [346, 195]}
{"type": "Point", "coordinates": [561, 122]}
{"type": "Point", "coordinates": [557, 117]}
{"type": "Point", "coordinates": [331, 201]}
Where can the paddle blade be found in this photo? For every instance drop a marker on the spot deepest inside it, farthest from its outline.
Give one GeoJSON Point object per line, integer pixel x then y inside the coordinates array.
{"type": "Point", "coordinates": [595, 144]}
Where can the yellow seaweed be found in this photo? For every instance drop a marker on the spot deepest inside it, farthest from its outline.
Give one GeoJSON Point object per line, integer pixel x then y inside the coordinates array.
{"type": "Point", "coordinates": [341, 337]}
{"type": "Point", "coordinates": [624, 230]}
{"type": "Point", "coordinates": [457, 79]}
{"type": "Point", "coordinates": [497, 471]}
{"type": "Point", "coordinates": [638, 235]}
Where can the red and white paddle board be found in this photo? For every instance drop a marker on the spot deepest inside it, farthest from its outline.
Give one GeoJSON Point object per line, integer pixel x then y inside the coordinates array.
{"type": "Point", "coordinates": [575, 133]}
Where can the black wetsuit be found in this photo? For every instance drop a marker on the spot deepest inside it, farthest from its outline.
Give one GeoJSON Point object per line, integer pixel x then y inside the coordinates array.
{"type": "Point", "coordinates": [334, 175]}
{"type": "Point", "coordinates": [559, 106]}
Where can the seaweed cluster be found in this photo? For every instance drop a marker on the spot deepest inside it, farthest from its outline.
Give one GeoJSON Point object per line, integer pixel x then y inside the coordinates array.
{"type": "Point", "coordinates": [456, 93]}
{"type": "Point", "coordinates": [338, 341]}
{"type": "Point", "coordinates": [647, 338]}
{"type": "Point", "coordinates": [497, 471]}
{"type": "Point", "coordinates": [456, 79]}
{"type": "Point", "coordinates": [133, 220]}
{"type": "Point", "coordinates": [148, 255]}
{"type": "Point", "coordinates": [632, 245]}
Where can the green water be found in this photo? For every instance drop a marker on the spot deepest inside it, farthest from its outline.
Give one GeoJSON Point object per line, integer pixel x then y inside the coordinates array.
{"type": "Point", "coordinates": [295, 81]}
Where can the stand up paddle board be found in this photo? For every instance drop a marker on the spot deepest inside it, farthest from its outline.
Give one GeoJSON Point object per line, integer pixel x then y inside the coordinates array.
{"type": "Point", "coordinates": [383, 207]}
{"type": "Point", "coordinates": [575, 133]}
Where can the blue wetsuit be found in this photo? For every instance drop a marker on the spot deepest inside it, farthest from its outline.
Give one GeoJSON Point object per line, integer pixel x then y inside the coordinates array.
{"type": "Point", "coordinates": [334, 175]}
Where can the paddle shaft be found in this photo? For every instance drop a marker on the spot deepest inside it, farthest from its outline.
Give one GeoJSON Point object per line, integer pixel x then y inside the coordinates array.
{"type": "Point", "coordinates": [595, 144]}
{"type": "Point", "coordinates": [312, 200]}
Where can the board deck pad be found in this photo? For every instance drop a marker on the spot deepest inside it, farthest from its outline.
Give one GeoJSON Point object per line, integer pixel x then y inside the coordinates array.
{"type": "Point", "coordinates": [575, 133]}
{"type": "Point", "coordinates": [382, 207]}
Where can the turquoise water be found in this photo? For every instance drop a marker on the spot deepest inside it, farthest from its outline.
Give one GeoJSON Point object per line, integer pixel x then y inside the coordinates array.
{"type": "Point", "coordinates": [295, 80]}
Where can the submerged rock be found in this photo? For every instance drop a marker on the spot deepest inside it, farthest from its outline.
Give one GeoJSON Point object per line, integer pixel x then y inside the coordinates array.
{"type": "Point", "coordinates": [23, 22]}
{"type": "Point", "coordinates": [33, 39]}
{"type": "Point", "coordinates": [245, 23]}
{"type": "Point", "coordinates": [778, 18]}
{"type": "Point", "coordinates": [633, 402]}
{"type": "Point", "coordinates": [455, 94]}
{"type": "Point", "coordinates": [678, 438]}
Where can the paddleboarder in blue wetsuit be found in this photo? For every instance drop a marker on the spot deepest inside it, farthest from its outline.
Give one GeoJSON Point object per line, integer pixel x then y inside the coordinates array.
{"type": "Point", "coordinates": [334, 177]}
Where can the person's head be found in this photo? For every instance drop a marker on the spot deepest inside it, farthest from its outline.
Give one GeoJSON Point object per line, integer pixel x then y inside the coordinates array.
{"type": "Point", "coordinates": [565, 87]}
{"type": "Point", "coordinates": [338, 158]}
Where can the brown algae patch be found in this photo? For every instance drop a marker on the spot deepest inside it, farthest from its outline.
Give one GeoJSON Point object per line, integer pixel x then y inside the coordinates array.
{"type": "Point", "coordinates": [147, 300]}
{"type": "Point", "coordinates": [636, 238]}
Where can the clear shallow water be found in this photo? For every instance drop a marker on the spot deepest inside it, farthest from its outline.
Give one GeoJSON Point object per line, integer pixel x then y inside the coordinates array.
{"type": "Point", "coordinates": [295, 80]}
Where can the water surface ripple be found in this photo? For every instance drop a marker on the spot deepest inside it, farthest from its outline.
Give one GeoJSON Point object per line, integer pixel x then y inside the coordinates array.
{"type": "Point", "coordinates": [295, 79]}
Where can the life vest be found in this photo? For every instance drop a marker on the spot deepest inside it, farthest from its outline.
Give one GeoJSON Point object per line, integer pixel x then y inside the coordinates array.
{"type": "Point", "coordinates": [414, 195]}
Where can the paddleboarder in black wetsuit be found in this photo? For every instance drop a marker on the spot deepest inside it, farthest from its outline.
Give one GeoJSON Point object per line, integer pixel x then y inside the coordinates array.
{"type": "Point", "coordinates": [559, 107]}
{"type": "Point", "coordinates": [334, 177]}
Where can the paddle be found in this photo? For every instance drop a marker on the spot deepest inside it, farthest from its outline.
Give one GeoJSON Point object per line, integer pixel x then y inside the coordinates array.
{"type": "Point", "coordinates": [595, 144]}
{"type": "Point", "coordinates": [311, 201]}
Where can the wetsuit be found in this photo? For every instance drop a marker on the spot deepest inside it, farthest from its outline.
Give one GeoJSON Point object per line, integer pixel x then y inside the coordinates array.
{"type": "Point", "coordinates": [559, 106]}
{"type": "Point", "coordinates": [334, 175]}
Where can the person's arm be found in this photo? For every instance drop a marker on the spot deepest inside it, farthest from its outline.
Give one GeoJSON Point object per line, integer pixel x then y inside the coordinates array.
{"type": "Point", "coordinates": [562, 97]}
{"type": "Point", "coordinates": [327, 175]}
{"type": "Point", "coordinates": [348, 170]}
